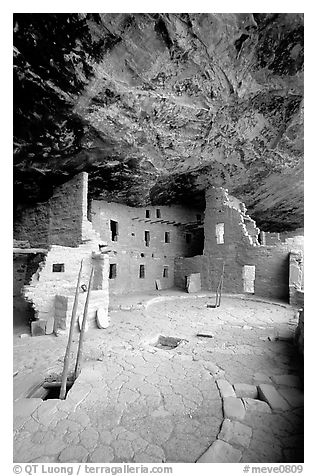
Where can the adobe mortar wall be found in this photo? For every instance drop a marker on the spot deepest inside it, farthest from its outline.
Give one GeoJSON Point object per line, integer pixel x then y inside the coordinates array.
{"type": "Point", "coordinates": [130, 250]}
{"type": "Point", "coordinates": [32, 224]}
{"type": "Point", "coordinates": [59, 221]}
{"type": "Point", "coordinates": [187, 266]}
{"type": "Point", "coordinates": [240, 248]}
{"type": "Point", "coordinates": [46, 284]}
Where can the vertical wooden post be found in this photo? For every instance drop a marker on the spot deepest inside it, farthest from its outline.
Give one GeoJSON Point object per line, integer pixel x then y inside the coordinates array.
{"type": "Point", "coordinates": [221, 282]}
{"type": "Point", "coordinates": [70, 336]}
{"type": "Point", "coordinates": [83, 325]}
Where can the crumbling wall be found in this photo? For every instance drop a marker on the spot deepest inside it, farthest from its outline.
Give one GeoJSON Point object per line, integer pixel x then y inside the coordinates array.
{"type": "Point", "coordinates": [46, 283]}
{"type": "Point", "coordinates": [296, 279]}
{"type": "Point", "coordinates": [24, 266]}
{"type": "Point", "coordinates": [171, 231]}
{"type": "Point", "coordinates": [231, 238]}
{"type": "Point", "coordinates": [57, 273]}
{"type": "Point", "coordinates": [240, 233]}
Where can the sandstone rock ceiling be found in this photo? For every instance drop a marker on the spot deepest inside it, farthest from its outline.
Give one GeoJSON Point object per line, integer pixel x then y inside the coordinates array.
{"type": "Point", "coordinates": [158, 106]}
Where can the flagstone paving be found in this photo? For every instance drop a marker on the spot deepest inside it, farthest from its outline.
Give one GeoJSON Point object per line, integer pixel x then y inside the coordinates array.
{"type": "Point", "coordinates": [134, 402]}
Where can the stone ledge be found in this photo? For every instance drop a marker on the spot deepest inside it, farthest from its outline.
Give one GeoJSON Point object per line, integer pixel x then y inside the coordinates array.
{"type": "Point", "coordinates": [225, 388]}
{"type": "Point", "coordinates": [235, 433]}
{"type": "Point", "coordinates": [245, 390]}
{"type": "Point", "coordinates": [233, 408]}
{"type": "Point", "coordinates": [269, 394]}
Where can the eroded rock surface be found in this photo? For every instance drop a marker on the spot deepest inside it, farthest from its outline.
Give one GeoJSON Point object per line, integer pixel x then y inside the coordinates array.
{"type": "Point", "coordinates": [158, 106]}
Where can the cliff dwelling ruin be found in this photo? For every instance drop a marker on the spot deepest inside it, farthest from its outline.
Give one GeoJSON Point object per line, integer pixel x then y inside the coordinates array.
{"type": "Point", "coordinates": [158, 228]}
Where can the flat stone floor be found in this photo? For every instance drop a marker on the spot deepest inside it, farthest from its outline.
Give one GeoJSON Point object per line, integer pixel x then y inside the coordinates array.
{"type": "Point", "coordinates": [134, 402]}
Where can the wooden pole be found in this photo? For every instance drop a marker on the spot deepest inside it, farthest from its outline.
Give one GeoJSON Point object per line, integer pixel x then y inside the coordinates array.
{"type": "Point", "coordinates": [221, 281]}
{"type": "Point", "coordinates": [82, 330]}
{"type": "Point", "coordinates": [62, 393]}
{"type": "Point", "coordinates": [217, 294]}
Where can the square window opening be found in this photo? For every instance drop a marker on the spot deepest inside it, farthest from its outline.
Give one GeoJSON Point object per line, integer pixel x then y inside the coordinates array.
{"type": "Point", "coordinates": [112, 271]}
{"type": "Point", "coordinates": [58, 268]}
{"type": "Point", "coordinates": [158, 213]}
{"type": "Point", "coordinates": [167, 237]}
{"type": "Point", "coordinates": [114, 228]}
{"type": "Point", "coordinates": [147, 214]}
{"type": "Point", "coordinates": [142, 271]}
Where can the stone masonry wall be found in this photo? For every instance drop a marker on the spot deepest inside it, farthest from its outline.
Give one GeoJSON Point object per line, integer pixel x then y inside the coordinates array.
{"type": "Point", "coordinates": [186, 266]}
{"type": "Point", "coordinates": [129, 251]}
{"type": "Point", "coordinates": [296, 278]}
{"type": "Point", "coordinates": [58, 221]}
{"type": "Point", "coordinates": [58, 272]}
{"type": "Point", "coordinates": [240, 247]}
{"type": "Point", "coordinates": [46, 284]}
{"type": "Point", "coordinates": [32, 224]}
{"type": "Point", "coordinates": [67, 211]}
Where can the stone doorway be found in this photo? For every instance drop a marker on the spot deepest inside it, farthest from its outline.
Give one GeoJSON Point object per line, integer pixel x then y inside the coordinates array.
{"type": "Point", "coordinates": [248, 279]}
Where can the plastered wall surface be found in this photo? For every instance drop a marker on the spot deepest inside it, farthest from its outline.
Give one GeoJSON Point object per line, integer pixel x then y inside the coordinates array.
{"type": "Point", "coordinates": [130, 249]}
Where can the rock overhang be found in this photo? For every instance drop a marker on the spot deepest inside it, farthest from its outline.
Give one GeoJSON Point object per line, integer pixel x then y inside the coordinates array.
{"type": "Point", "coordinates": [158, 107]}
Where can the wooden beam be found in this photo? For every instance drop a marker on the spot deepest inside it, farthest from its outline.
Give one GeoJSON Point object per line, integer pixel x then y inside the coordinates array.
{"type": "Point", "coordinates": [29, 251]}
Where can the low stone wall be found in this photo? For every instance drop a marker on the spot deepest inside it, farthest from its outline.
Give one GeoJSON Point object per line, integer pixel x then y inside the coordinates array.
{"type": "Point", "coordinates": [46, 283]}
{"type": "Point", "coordinates": [296, 279]}
{"type": "Point", "coordinates": [64, 306]}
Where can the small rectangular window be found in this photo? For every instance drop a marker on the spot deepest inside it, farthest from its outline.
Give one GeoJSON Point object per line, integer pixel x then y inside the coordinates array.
{"type": "Point", "coordinates": [158, 213]}
{"type": "Point", "coordinates": [147, 214]}
{"type": "Point", "coordinates": [114, 230]}
{"type": "Point", "coordinates": [188, 238]}
{"type": "Point", "coordinates": [58, 268]}
{"type": "Point", "coordinates": [167, 237]}
{"type": "Point", "coordinates": [220, 231]}
{"type": "Point", "coordinates": [112, 271]}
{"type": "Point", "coordinates": [147, 238]}
{"type": "Point", "coordinates": [142, 271]}
{"type": "Point", "coordinates": [165, 272]}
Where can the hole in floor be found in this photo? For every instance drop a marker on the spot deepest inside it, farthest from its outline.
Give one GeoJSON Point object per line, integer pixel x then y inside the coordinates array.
{"type": "Point", "coordinates": [167, 343]}
{"type": "Point", "coordinates": [49, 390]}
